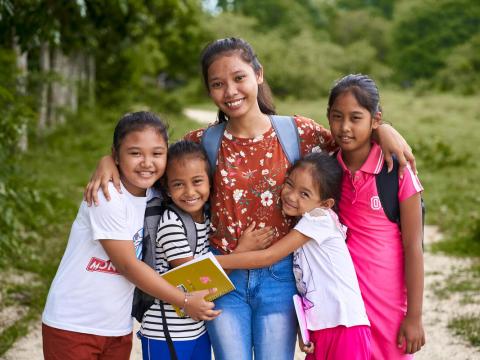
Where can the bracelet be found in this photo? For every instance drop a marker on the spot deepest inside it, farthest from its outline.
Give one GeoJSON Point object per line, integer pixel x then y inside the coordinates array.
{"type": "Point", "coordinates": [185, 302]}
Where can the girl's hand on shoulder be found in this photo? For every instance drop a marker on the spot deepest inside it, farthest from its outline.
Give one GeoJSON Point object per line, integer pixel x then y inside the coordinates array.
{"type": "Point", "coordinates": [392, 142]}
{"type": "Point", "coordinates": [198, 308]}
{"type": "Point", "coordinates": [252, 239]}
{"type": "Point", "coordinates": [105, 172]}
{"type": "Point", "coordinates": [412, 334]}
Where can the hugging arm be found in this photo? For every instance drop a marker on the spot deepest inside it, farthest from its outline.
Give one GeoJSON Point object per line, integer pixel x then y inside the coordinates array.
{"type": "Point", "coordinates": [392, 142]}
{"type": "Point", "coordinates": [105, 172]}
{"type": "Point", "coordinates": [262, 258]}
{"type": "Point", "coordinates": [411, 330]}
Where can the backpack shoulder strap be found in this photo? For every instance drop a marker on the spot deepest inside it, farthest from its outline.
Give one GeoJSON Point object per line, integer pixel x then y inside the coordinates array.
{"type": "Point", "coordinates": [211, 140]}
{"type": "Point", "coordinates": [188, 225]}
{"type": "Point", "coordinates": [387, 187]}
{"type": "Point", "coordinates": [153, 212]}
{"type": "Point", "coordinates": [287, 133]}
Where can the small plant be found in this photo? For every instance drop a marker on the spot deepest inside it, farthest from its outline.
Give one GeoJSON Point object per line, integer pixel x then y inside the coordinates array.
{"type": "Point", "coordinates": [467, 326]}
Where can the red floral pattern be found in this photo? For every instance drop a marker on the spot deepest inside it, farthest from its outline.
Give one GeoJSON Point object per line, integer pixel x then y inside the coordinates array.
{"type": "Point", "coordinates": [248, 181]}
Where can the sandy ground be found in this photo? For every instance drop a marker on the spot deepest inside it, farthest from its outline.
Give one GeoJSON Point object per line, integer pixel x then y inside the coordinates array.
{"type": "Point", "coordinates": [441, 344]}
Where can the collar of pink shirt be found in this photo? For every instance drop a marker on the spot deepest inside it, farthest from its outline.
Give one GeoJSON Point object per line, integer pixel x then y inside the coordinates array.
{"type": "Point", "coordinates": [373, 164]}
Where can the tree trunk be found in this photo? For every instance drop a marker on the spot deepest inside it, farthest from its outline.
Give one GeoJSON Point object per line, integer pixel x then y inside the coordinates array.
{"type": "Point", "coordinates": [44, 113]}
{"type": "Point", "coordinates": [59, 88]}
{"type": "Point", "coordinates": [91, 79]}
{"type": "Point", "coordinates": [22, 66]}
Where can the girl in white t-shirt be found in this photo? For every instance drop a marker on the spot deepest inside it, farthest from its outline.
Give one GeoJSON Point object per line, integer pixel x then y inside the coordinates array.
{"type": "Point", "coordinates": [87, 313]}
{"type": "Point", "coordinates": [325, 275]}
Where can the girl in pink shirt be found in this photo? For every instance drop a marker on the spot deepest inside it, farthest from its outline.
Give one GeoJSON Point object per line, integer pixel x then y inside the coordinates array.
{"type": "Point", "coordinates": [387, 256]}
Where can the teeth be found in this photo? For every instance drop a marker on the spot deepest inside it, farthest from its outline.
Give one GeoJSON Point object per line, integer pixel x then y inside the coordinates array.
{"type": "Point", "coordinates": [234, 103]}
{"type": "Point", "coordinates": [191, 201]}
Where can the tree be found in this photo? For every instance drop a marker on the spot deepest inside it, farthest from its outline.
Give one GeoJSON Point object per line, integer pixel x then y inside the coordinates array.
{"type": "Point", "coordinates": [425, 33]}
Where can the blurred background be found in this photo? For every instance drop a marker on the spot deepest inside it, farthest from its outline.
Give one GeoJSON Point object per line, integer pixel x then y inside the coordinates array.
{"type": "Point", "coordinates": [70, 69]}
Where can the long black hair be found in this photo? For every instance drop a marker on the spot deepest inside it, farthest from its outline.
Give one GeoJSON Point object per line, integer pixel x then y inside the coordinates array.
{"type": "Point", "coordinates": [230, 46]}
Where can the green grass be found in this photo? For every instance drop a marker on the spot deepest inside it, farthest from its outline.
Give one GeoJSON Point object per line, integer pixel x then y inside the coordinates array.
{"type": "Point", "coordinates": [57, 167]}
{"type": "Point", "coordinates": [468, 327]}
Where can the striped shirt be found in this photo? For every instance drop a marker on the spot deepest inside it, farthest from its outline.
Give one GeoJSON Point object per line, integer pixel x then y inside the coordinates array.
{"type": "Point", "coordinates": [172, 244]}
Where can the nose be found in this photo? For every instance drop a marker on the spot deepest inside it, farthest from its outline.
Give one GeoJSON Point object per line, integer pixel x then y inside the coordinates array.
{"type": "Point", "coordinates": [147, 161]}
{"type": "Point", "coordinates": [189, 189]}
{"type": "Point", "coordinates": [231, 89]}
{"type": "Point", "coordinates": [345, 125]}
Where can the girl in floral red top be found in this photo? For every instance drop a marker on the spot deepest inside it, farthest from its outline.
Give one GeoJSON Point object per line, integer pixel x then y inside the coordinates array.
{"type": "Point", "coordinates": [248, 180]}
{"type": "Point", "coordinates": [258, 317]}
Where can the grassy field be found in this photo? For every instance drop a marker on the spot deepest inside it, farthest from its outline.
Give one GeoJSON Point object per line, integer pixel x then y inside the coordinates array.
{"type": "Point", "coordinates": [443, 129]}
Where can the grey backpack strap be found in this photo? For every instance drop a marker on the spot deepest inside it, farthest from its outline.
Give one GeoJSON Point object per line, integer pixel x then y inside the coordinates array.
{"type": "Point", "coordinates": [153, 212]}
{"type": "Point", "coordinates": [211, 140]}
{"type": "Point", "coordinates": [287, 133]}
{"type": "Point", "coordinates": [188, 225]}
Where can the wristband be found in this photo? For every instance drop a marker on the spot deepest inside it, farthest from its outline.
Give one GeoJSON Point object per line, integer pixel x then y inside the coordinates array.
{"type": "Point", "coordinates": [185, 302]}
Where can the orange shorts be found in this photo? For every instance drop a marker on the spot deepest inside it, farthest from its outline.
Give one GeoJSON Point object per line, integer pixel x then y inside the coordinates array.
{"type": "Point", "coordinates": [61, 344]}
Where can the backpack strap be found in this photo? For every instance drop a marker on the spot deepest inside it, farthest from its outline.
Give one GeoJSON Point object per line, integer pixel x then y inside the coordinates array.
{"type": "Point", "coordinates": [211, 140]}
{"type": "Point", "coordinates": [153, 211]}
{"type": "Point", "coordinates": [285, 127]}
{"type": "Point", "coordinates": [387, 187]}
{"type": "Point", "coordinates": [188, 225]}
{"type": "Point", "coordinates": [287, 132]}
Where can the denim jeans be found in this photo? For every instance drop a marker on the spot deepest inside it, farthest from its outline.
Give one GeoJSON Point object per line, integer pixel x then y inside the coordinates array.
{"type": "Point", "coordinates": [258, 317]}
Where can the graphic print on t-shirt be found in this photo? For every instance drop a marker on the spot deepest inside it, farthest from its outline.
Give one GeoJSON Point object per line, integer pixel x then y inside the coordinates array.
{"type": "Point", "coordinates": [305, 284]}
{"type": "Point", "coordinates": [106, 266]}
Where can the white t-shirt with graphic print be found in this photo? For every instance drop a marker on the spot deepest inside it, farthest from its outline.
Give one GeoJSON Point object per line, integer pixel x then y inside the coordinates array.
{"type": "Point", "coordinates": [88, 295]}
{"type": "Point", "coordinates": [325, 274]}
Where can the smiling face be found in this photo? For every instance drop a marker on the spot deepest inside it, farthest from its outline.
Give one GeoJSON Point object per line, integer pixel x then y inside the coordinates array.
{"type": "Point", "coordinates": [233, 86]}
{"type": "Point", "coordinates": [141, 159]}
{"type": "Point", "coordinates": [300, 194]}
{"type": "Point", "coordinates": [351, 124]}
{"type": "Point", "coordinates": [188, 185]}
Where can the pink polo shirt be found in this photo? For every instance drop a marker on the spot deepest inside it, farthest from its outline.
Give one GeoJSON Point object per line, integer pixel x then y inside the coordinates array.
{"type": "Point", "coordinates": [375, 244]}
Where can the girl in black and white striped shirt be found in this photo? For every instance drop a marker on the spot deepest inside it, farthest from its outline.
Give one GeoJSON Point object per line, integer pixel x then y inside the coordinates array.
{"type": "Point", "coordinates": [188, 187]}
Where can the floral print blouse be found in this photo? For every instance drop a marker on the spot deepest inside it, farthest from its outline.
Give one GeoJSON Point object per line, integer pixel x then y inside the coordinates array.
{"type": "Point", "coordinates": [248, 180]}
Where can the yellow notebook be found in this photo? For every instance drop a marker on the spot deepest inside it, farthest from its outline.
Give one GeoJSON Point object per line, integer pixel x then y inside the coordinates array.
{"type": "Point", "coordinates": [203, 272]}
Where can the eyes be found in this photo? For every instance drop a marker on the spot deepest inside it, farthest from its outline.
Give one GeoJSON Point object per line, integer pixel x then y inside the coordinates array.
{"type": "Point", "coordinates": [217, 84]}
{"type": "Point", "coordinates": [197, 181]}
{"type": "Point", "coordinates": [289, 185]}
{"type": "Point", "coordinates": [137, 153]}
{"type": "Point", "coordinates": [356, 117]}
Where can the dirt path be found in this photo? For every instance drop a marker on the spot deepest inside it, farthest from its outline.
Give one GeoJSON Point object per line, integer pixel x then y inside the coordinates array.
{"type": "Point", "coordinates": [441, 344]}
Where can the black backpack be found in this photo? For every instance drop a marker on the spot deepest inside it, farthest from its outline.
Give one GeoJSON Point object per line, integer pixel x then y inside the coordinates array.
{"type": "Point", "coordinates": [387, 187]}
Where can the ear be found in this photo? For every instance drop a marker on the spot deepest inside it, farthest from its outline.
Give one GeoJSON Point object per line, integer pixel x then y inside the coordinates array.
{"type": "Point", "coordinates": [259, 75]}
{"type": "Point", "coordinates": [115, 156]}
{"type": "Point", "coordinates": [377, 120]}
{"type": "Point", "coordinates": [328, 203]}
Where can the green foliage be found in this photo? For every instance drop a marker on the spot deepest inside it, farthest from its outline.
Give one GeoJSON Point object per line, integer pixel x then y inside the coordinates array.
{"type": "Point", "coordinates": [425, 33]}
{"type": "Point", "coordinates": [461, 72]}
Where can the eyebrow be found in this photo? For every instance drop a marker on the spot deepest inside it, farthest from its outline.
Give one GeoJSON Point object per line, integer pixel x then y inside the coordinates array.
{"type": "Point", "coordinates": [233, 73]}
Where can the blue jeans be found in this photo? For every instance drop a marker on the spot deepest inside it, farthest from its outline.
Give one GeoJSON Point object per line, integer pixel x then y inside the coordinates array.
{"type": "Point", "coordinates": [258, 317]}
